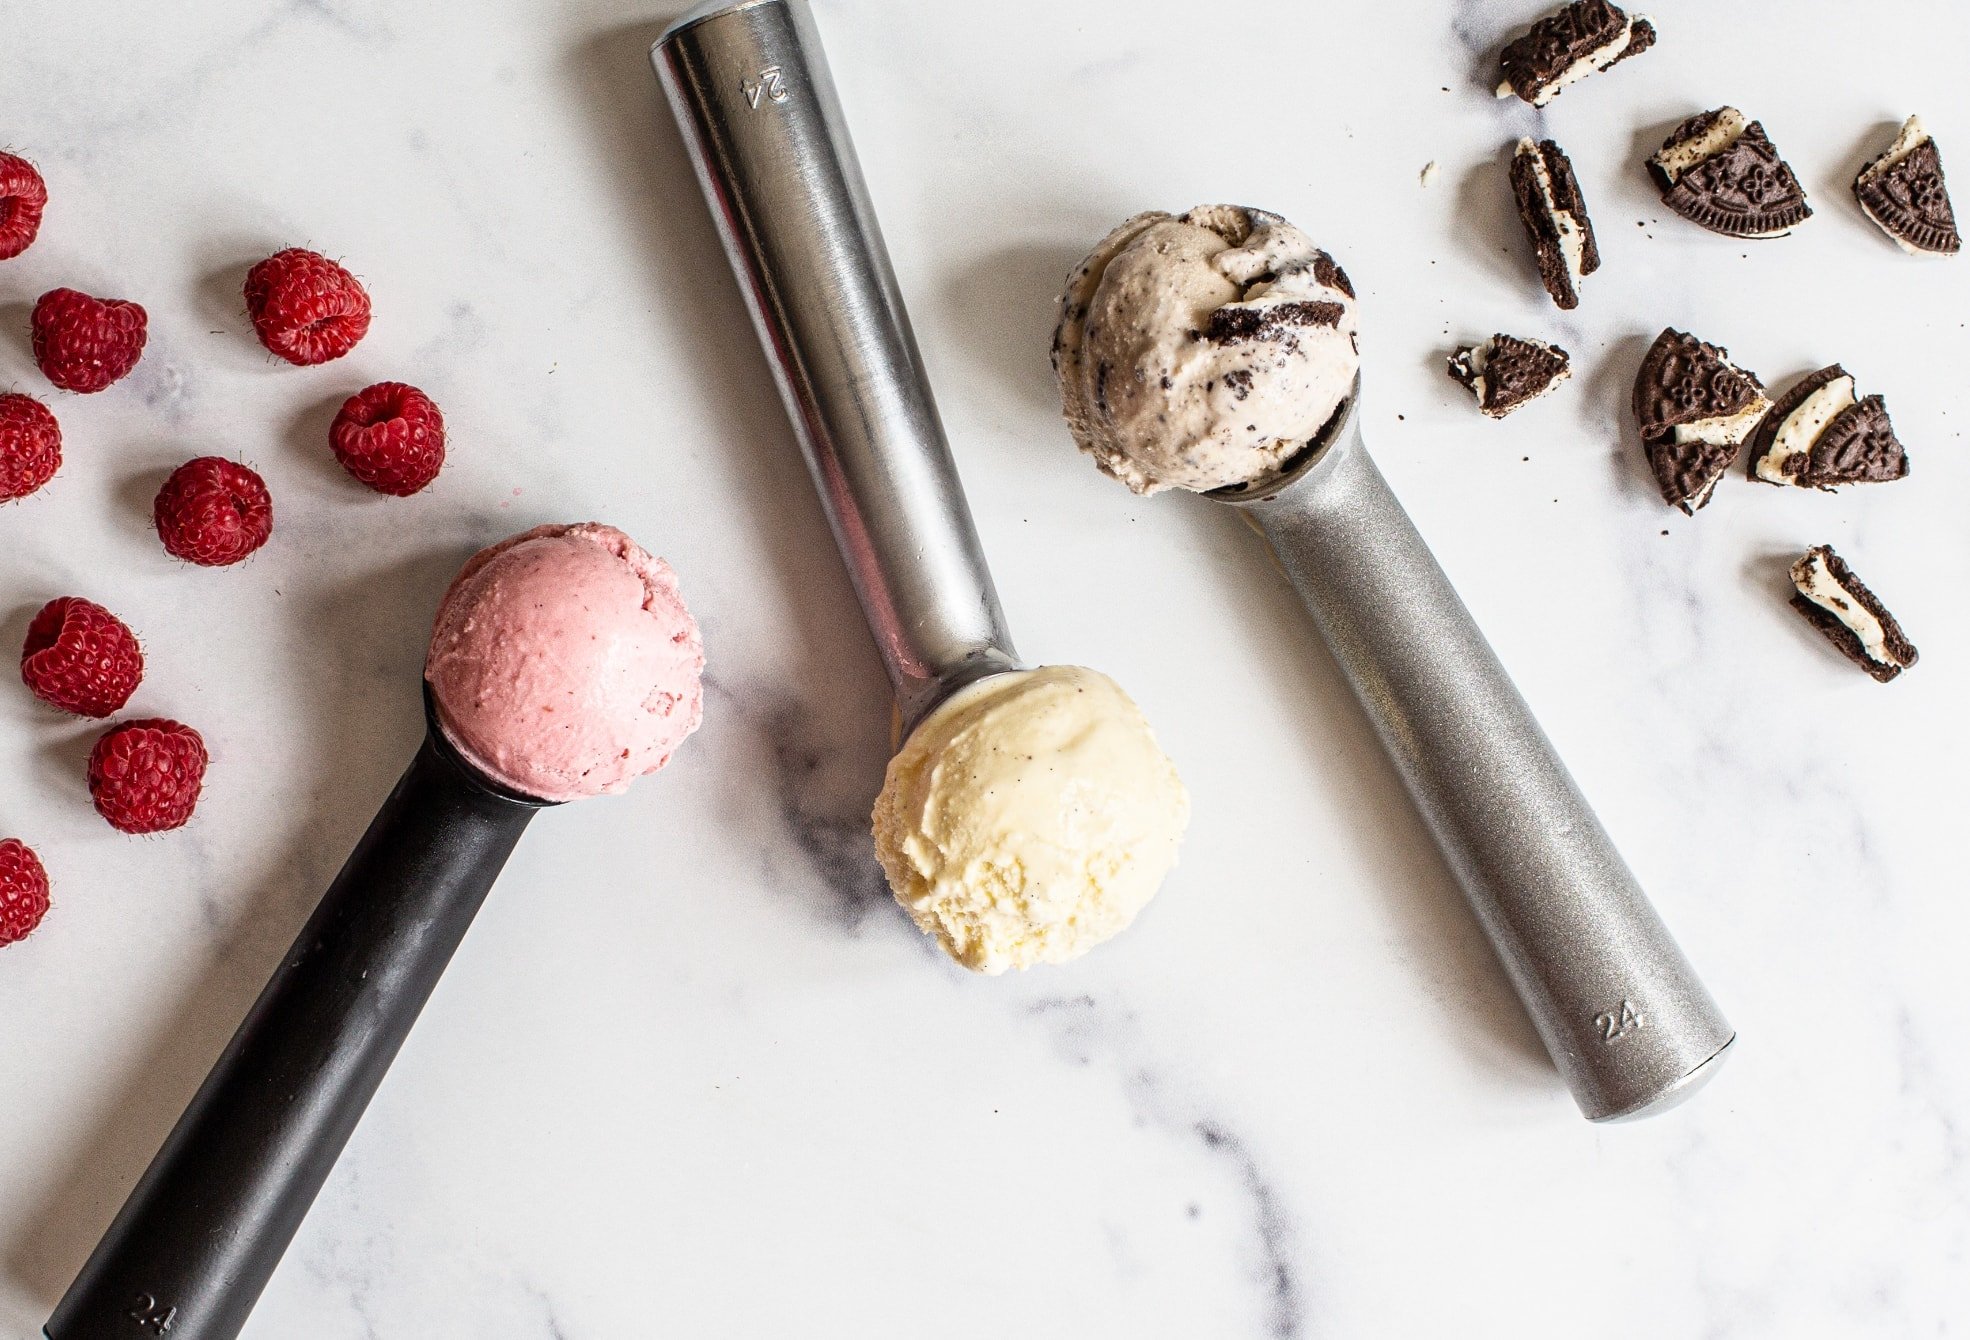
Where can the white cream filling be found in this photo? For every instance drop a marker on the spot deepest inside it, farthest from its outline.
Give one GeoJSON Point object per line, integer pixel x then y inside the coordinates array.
{"type": "Point", "coordinates": [1802, 428]}
{"type": "Point", "coordinates": [1572, 237]}
{"type": "Point", "coordinates": [1476, 359]}
{"type": "Point", "coordinates": [1817, 583]}
{"type": "Point", "coordinates": [1594, 61]}
{"type": "Point", "coordinates": [1676, 159]}
{"type": "Point", "coordinates": [1725, 430]}
{"type": "Point", "coordinates": [1912, 137]}
{"type": "Point", "coordinates": [1702, 495]}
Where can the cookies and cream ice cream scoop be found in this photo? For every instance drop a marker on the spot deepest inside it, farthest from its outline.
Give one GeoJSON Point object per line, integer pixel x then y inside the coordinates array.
{"type": "Point", "coordinates": [1200, 351]}
{"type": "Point", "coordinates": [562, 665]}
{"type": "Point", "coordinates": [1030, 814]}
{"type": "Point", "coordinates": [1623, 1015]}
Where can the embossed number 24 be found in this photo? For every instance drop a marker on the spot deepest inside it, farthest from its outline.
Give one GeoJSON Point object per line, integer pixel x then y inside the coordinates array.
{"type": "Point", "coordinates": [151, 1315]}
{"type": "Point", "coordinates": [772, 83]}
{"type": "Point", "coordinates": [1618, 1023]}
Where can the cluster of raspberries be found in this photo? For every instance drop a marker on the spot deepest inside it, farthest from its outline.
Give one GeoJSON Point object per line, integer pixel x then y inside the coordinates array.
{"type": "Point", "coordinates": [145, 775]}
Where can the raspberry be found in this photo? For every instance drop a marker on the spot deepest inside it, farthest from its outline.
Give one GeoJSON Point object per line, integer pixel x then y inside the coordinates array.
{"type": "Point", "coordinates": [84, 343]}
{"type": "Point", "coordinates": [81, 658]}
{"type": "Point", "coordinates": [391, 437]}
{"type": "Point", "coordinates": [23, 891]}
{"type": "Point", "coordinates": [23, 195]}
{"type": "Point", "coordinates": [213, 511]}
{"type": "Point", "coordinates": [305, 307]}
{"type": "Point", "coordinates": [30, 446]}
{"type": "Point", "coordinates": [145, 775]}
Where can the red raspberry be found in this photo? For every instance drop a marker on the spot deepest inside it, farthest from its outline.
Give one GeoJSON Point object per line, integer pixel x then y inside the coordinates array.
{"type": "Point", "coordinates": [213, 511]}
{"type": "Point", "coordinates": [145, 775]}
{"type": "Point", "coordinates": [305, 307]}
{"type": "Point", "coordinates": [84, 343]}
{"type": "Point", "coordinates": [30, 446]}
{"type": "Point", "coordinates": [391, 437]}
{"type": "Point", "coordinates": [23, 195]}
{"type": "Point", "coordinates": [23, 891]}
{"type": "Point", "coordinates": [81, 658]}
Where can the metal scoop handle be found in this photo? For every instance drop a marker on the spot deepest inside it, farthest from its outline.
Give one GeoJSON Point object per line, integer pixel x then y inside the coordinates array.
{"type": "Point", "coordinates": [1623, 1014]}
{"type": "Point", "coordinates": [749, 85]}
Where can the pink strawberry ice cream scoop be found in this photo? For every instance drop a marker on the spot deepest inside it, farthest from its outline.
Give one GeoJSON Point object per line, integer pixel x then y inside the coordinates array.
{"type": "Point", "coordinates": [564, 663]}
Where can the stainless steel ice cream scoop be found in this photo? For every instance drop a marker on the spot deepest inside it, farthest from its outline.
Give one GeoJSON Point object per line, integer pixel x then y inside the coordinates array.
{"type": "Point", "coordinates": [1623, 1014]}
{"type": "Point", "coordinates": [750, 88]}
{"type": "Point", "coordinates": [1625, 1019]}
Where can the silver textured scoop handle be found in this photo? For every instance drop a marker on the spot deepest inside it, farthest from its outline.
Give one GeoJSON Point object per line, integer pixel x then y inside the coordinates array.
{"type": "Point", "coordinates": [749, 85]}
{"type": "Point", "coordinates": [1623, 1014]}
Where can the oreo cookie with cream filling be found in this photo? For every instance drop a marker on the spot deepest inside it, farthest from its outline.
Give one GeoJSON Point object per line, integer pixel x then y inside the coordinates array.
{"type": "Point", "coordinates": [1507, 372]}
{"type": "Point", "coordinates": [1832, 599]}
{"type": "Point", "coordinates": [1722, 172]}
{"type": "Point", "coordinates": [1904, 191]}
{"type": "Point", "coordinates": [1565, 47]}
{"type": "Point", "coordinates": [1820, 435]}
{"type": "Point", "coordinates": [1695, 408]}
{"type": "Point", "coordinates": [1555, 218]}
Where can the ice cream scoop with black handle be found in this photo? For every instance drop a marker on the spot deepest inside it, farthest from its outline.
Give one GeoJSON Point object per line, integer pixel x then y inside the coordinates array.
{"type": "Point", "coordinates": [199, 1237]}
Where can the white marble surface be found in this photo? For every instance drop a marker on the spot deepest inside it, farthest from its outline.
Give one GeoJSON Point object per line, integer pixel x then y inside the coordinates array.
{"type": "Point", "coordinates": [692, 1073]}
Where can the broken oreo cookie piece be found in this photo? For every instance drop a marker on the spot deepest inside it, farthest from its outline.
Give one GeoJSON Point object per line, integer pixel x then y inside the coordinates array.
{"type": "Point", "coordinates": [1838, 603]}
{"type": "Point", "coordinates": [1695, 408]}
{"type": "Point", "coordinates": [1904, 191]}
{"type": "Point", "coordinates": [1720, 171]}
{"type": "Point", "coordinates": [1565, 47]}
{"type": "Point", "coordinates": [1506, 372]}
{"type": "Point", "coordinates": [1820, 435]}
{"type": "Point", "coordinates": [1555, 219]}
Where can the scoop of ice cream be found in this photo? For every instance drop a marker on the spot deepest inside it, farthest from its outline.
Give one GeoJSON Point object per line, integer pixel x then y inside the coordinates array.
{"type": "Point", "coordinates": [1203, 351]}
{"type": "Point", "coordinates": [1029, 818]}
{"type": "Point", "coordinates": [564, 663]}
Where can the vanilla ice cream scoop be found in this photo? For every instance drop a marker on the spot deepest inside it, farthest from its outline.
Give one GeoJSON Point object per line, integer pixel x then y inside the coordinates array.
{"type": "Point", "coordinates": [1029, 818]}
{"type": "Point", "coordinates": [1203, 351]}
{"type": "Point", "coordinates": [1030, 814]}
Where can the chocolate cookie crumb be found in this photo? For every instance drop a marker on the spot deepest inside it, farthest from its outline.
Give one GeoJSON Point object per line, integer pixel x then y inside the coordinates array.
{"type": "Point", "coordinates": [1565, 47]}
{"type": "Point", "coordinates": [1905, 193]}
{"type": "Point", "coordinates": [1695, 408]}
{"type": "Point", "coordinates": [1832, 599]}
{"type": "Point", "coordinates": [1722, 172]}
{"type": "Point", "coordinates": [1507, 372]}
{"type": "Point", "coordinates": [1555, 218]}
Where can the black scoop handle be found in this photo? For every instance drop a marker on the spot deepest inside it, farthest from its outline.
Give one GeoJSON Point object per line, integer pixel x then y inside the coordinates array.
{"type": "Point", "coordinates": [198, 1239]}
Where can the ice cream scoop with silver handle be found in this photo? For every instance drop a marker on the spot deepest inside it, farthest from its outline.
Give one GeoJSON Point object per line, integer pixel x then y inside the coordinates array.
{"type": "Point", "coordinates": [1623, 1015]}
{"type": "Point", "coordinates": [1616, 1003]}
{"type": "Point", "coordinates": [750, 88]}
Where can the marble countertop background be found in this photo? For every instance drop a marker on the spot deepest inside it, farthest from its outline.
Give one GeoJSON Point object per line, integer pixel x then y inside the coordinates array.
{"type": "Point", "coordinates": [692, 1073]}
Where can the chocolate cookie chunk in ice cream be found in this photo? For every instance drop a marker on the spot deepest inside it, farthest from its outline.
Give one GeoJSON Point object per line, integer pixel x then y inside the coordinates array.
{"type": "Point", "coordinates": [1203, 350]}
